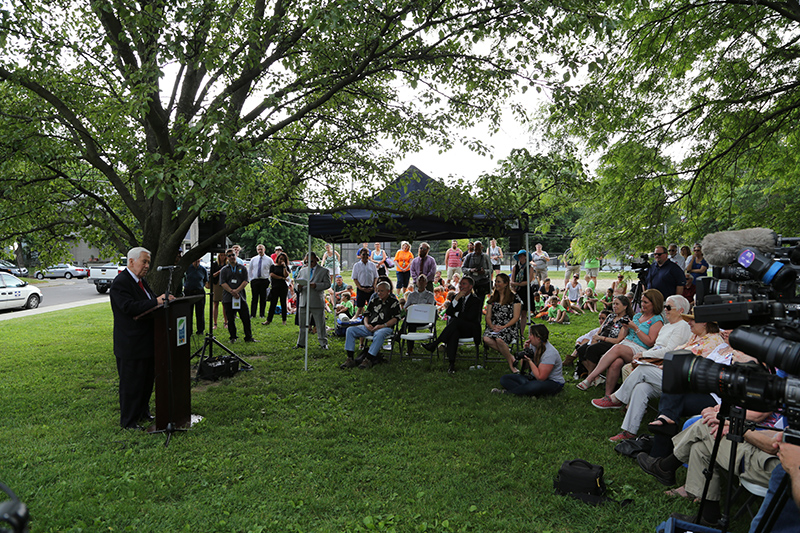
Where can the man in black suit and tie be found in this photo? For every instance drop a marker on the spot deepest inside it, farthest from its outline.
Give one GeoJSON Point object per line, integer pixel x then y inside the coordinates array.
{"type": "Point", "coordinates": [465, 321]}
{"type": "Point", "coordinates": [133, 339]}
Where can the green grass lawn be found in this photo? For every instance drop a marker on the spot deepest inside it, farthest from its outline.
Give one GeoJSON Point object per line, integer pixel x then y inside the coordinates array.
{"type": "Point", "coordinates": [400, 447]}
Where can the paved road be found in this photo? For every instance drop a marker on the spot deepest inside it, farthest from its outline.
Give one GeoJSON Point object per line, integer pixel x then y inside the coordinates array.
{"type": "Point", "coordinates": [61, 294]}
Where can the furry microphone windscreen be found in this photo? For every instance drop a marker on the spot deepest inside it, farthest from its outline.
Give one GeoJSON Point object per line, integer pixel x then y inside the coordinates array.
{"type": "Point", "coordinates": [723, 248]}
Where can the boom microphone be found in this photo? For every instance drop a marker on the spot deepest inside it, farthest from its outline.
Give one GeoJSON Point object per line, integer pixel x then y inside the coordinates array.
{"type": "Point", "coordinates": [167, 267]}
{"type": "Point", "coordinates": [723, 248]}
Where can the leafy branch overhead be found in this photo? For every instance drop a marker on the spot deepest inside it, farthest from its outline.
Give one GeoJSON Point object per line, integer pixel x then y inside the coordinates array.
{"type": "Point", "coordinates": [123, 120]}
{"type": "Point", "coordinates": [688, 104]}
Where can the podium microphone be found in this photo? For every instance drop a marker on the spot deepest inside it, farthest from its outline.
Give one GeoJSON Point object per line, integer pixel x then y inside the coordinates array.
{"type": "Point", "coordinates": [167, 267]}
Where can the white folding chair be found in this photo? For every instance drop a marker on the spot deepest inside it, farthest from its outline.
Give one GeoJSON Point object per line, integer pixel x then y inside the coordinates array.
{"type": "Point", "coordinates": [424, 317]}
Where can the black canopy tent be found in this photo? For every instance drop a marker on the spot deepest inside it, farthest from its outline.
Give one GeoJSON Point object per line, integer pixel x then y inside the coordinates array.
{"type": "Point", "coordinates": [408, 191]}
{"type": "Point", "coordinates": [411, 190]}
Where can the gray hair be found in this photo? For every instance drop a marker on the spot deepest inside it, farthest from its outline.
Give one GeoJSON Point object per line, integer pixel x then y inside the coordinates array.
{"type": "Point", "coordinates": [385, 285]}
{"type": "Point", "coordinates": [680, 302]}
{"type": "Point", "coordinates": [136, 253]}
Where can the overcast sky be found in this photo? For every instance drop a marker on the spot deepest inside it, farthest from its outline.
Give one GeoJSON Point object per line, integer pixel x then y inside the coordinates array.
{"type": "Point", "coordinates": [461, 162]}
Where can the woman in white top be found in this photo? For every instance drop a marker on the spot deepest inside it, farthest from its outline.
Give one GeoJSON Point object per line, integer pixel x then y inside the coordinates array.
{"type": "Point", "coordinates": [540, 260]}
{"type": "Point", "coordinates": [644, 382]}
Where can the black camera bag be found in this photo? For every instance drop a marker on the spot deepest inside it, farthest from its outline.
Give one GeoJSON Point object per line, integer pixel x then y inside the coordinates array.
{"type": "Point", "coordinates": [580, 477]}
{"type": "Point", "coordinates": [214, 368]}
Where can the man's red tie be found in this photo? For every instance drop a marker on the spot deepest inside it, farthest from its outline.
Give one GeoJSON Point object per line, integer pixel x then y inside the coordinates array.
{"type": "Point", "coordinates": [141, 285]}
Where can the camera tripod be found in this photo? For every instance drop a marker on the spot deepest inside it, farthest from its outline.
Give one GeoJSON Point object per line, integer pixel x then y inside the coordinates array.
{"type": "Point", "coordinates": [737, 428]}
{"type": "Point", "coordinates": [210, 340]}
{"type": "Point", "coordinates": [636, 302]}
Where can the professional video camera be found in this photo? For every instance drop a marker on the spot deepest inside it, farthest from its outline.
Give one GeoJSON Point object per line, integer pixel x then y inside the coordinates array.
{"type": "Point", "coordinates": [757, 289]}
{"type": "Point", "coordinates": [755, 283]}
{"type": "Point", "coordinates": [13, 512]}
{"type": "Point", "coordinates": [641, 263]}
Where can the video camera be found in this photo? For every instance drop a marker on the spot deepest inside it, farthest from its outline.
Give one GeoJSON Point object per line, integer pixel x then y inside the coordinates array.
{"type": "Point", "coordinates": [756, 285]}
{"type": "Point", "coordinates": [756, 295]}
{"type": "Point", "coordinates": [13, 512]}
{"type": "Point", "coordinates": [641, 263]}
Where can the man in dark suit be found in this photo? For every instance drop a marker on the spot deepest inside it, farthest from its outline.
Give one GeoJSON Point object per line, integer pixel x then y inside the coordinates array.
{"type": "Point", "coordinates": [133, 339]}
{"type": "Point", "coordinates": [465, 321]}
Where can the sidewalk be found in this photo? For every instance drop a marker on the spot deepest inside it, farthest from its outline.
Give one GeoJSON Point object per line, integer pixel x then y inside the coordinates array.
{"type": "Point", "coordinates": [8, 315]}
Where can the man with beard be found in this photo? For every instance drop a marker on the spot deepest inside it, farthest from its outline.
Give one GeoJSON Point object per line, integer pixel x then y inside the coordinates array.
{"type": "Point", "coordinates": [424, 264]}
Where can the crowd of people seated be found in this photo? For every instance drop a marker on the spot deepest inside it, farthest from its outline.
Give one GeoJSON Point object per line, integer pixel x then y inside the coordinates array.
{"type": "Point", "coordinates": [624, 353]}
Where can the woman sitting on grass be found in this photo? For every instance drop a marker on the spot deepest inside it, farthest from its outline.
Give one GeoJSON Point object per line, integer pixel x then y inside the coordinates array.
{"type": "Point", "coordinates": [642, 333]}
{"type": "Point", "coordinates": [503, 312]}
{"type": "Point", "coordinates": [544, 363]}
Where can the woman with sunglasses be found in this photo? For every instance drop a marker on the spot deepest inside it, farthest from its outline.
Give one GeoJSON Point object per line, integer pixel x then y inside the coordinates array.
{"type": "Point", "coordinates": [645, 380]}
{"type": "Point", "coordinates": [620, 286]}
{"type": "Point", "coordinates": [697, 266]}
{"type": "Point", "coordinates": [642, 334]}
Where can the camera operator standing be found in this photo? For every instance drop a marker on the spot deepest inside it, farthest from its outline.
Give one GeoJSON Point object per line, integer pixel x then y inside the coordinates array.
{"type": "Point", "coordinates": [664, 275]}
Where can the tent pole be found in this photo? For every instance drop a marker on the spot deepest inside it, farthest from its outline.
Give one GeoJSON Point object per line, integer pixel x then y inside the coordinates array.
{"type": "Point", "coordinates": [528, 288]}
{"type": "Point", "coordinates": [308, 304]}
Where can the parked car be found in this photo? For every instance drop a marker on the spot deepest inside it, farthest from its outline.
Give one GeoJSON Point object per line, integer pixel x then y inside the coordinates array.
{"type": "Point", "coordinates": [17, 293]}
{"type": "Point", "coordinates": [11, 268]}
{"type": "Point", "coordinates": [62, 270]}
{"type": "Point", "coordinates": [102, 276]}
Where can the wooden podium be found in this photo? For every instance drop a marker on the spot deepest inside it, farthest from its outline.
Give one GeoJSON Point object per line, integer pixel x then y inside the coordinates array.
{"type": "Point", "coordinates": [172, 355]}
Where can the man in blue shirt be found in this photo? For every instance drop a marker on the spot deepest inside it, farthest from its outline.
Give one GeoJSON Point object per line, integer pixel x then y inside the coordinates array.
{"type": "Point", "coordinates": [664, 275]}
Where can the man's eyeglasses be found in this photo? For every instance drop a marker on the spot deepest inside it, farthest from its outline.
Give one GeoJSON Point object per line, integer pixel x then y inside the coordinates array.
{"type": "Point", "coordinates": [658, 253]}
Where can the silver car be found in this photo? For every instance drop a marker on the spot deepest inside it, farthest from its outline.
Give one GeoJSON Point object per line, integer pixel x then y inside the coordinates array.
{"type": "Point", "coordinates": [62, 270]}
{"type": "Point", "coordinates": [11, 268]}
{"type": "Point", "coordinates": [17, 293]}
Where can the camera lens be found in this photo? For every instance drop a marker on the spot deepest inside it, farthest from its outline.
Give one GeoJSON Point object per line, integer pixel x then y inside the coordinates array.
{"type": "Point", "coordinates": [723, 286]}
{"type": "Point", "coordinates": [686, 372]}
{"type": "Point", "coordinates": [734, 273]}
{"type": "Point", "coordinates": [771, 349]}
